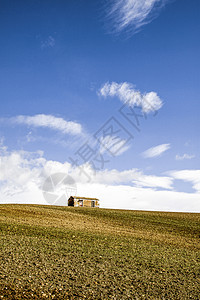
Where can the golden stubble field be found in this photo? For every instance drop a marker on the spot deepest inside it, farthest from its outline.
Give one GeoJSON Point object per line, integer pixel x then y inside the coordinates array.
{"type": "Point", "coordinates": [49, 252]}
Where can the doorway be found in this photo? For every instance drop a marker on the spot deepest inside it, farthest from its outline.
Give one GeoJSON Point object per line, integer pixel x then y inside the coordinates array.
{"type": "Point", "coordinates": [71, 201]}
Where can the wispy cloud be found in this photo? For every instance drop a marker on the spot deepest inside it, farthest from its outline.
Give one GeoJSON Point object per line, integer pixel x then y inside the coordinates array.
{"type": "Point", "coordinates": [192, 176]}
{"type": "Point", "coordinates": [156, 151]}
{"type": "Point", "coordinates": [48, 43]}
{"type": "Point", "coordinates": [49, 121]}
{"type": "Point", "coordinates": [3, 148]}
{"type": "Point", "coordinates": [114, 145]}
{"type": "Point", "coordinates": [149, 102]}
{"type": "Point", "coordinates": [184, 156]}
{"type": "Point", "coordinates": [133, 14]}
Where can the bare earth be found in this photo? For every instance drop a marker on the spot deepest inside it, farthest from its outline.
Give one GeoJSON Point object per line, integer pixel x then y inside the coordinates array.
{"type": "Point", "coordinates": [49, 252]}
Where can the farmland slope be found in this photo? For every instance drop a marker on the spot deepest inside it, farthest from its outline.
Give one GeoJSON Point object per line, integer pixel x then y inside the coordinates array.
{"type": "Point", "coordinates": [49, 252]}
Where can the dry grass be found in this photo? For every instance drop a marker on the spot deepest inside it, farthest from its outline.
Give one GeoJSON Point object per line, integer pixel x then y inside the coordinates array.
{"type": "Point", "coordinates": [76, 253]}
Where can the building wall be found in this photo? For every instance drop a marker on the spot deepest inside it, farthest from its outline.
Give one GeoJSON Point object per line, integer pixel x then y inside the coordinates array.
{"type": "Point", "coordinates": [86, 203]}
{"type": "Point", "coordinates": [76, 204]}
{"type": "Point", "coordinates": [96, 203]}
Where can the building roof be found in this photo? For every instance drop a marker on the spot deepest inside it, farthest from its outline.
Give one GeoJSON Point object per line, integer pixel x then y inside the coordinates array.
{"type": "Point", "coordinates": [85, 198]}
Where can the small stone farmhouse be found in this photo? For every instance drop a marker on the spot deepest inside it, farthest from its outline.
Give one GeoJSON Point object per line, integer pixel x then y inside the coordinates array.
{"type": "Point", "coordinates": [83, 202]}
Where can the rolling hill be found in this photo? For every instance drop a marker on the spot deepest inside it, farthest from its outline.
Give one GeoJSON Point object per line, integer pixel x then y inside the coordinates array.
{"type": "Point", "coordinates": [51, 252]}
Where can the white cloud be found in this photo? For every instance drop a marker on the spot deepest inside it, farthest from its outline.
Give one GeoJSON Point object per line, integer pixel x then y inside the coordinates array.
{"type": "Point", "coordinates": [22, 175]}
{"type": "Point", "coordinates": [133, 177]}
{"type": "Point", "coordinates": [184, 156]}
{"type": "Point", "coordinates": [18, 171]}
{"type": "Point", "coordinates": [49, 121]}
{"type": "Point", "coordinates": [133, 14]}
{"type": "Point", "coordinates": [153, 181]}
{"type": "Point", "coordinates": [156, 151]}
{"type": "Point", "coordinates": [128, 197]}
{"type": "Point", "coordinates": [149, 102]}
{"type": "Point", "coordinates": [192, 176]}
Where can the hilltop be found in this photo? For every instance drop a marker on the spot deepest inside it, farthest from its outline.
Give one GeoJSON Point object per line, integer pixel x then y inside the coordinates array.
{"type": "Point", "coordinates": [78, 253]}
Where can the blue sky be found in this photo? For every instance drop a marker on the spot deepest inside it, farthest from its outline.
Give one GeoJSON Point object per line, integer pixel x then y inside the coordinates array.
{"type": "Point", "coordinates": [61, 60]}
